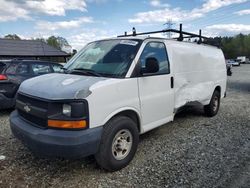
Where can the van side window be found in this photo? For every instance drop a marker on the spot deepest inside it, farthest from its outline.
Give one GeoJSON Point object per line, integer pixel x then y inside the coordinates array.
{"type": "Point", "coordinates": [158, 51]}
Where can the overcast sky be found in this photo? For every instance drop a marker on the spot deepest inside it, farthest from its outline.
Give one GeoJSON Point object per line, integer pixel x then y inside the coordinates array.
{"type": "Point", "coordinates": [81, 21]}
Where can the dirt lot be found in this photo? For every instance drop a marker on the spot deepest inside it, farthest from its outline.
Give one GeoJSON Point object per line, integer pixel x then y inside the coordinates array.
{"type": "Point", "coordinates": [192, 151]}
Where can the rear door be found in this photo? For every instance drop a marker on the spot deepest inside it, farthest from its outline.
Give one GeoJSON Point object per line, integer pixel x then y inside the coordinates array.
{"type": "Point", "coordinates": [16, 72]}
{"type": "Point", "coordinates": [156, 90]}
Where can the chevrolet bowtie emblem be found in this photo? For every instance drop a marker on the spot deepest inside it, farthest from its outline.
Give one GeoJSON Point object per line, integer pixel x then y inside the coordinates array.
{"type": "Point", "coordinates": [27, 108]}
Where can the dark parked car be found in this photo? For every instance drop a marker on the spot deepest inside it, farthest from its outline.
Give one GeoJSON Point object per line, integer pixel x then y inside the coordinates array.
{"type": "Point", "coordinates": [14, 72]}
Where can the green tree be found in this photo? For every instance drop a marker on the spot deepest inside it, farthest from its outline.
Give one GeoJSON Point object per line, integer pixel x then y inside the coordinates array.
{"type": "Point", "coordinates": [12, 36]}
{"type": "Point", "coordinates": [247, 45]}
{"type": "Point", "coordinates": [233, 47]}
{"type": "Point", "coordinates": [57, 42]}
{"type": "Point", "coordinates": [52, 41]}
{"type": "Point", "coordinates": [62, 41]}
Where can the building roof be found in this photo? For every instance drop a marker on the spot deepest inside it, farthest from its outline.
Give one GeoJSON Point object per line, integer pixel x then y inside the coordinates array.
{"type": "Point", "coordinates": [31, 48]}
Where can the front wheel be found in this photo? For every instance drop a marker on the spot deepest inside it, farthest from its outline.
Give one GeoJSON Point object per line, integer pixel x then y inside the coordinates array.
{"type": "Point", "coordinates": [118, 144]}
{"type": "Point", "coordinates": [213, 107]}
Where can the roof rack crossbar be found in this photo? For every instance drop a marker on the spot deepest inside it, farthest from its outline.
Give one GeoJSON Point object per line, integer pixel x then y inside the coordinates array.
{"type": "Point", "coordinates": [180, 38]}
{"type": "Point", "coordinates": [189, 37]}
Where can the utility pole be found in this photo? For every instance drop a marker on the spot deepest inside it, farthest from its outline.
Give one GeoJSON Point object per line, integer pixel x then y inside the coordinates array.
{"type": "Point", "coordinates": [169, 25]}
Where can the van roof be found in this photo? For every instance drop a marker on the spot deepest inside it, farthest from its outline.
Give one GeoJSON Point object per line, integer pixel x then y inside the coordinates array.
{"type": "Point", "coordinates": [142, 38]}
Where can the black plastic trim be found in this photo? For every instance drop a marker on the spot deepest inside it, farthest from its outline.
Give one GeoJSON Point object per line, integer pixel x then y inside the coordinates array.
{"type": "Point", "coordinates": [172, 82]}
{"type": "Point", "coordinates": [54, 143]}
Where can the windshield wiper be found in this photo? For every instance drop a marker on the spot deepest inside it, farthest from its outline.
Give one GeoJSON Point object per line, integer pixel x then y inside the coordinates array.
{"type": "Point", "coordinates": [85, 71]}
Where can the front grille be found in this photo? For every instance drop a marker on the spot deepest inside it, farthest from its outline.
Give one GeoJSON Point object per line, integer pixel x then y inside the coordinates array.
{"type": "Point", "coordinates": [37, 121]}
{"type": "Point", "coordinates": [33, 101]}
{"type": "Point", "coordinates": [34, 116]}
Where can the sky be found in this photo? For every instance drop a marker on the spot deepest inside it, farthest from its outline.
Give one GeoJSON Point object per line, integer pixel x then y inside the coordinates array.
{"type": "Point", "coordinates": [82, 21]}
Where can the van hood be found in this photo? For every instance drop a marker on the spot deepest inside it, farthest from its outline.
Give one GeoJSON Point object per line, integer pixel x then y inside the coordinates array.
{"type": "Point", "coordinates": [58, 86]}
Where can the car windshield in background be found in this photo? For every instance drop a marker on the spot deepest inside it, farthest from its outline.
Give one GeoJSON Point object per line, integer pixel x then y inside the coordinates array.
{"type": "Point", "coordinates": [108, 58]}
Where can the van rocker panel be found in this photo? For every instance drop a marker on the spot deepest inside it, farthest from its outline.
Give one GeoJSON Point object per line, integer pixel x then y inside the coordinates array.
{"type": "Point", "coordinates": [56, 143]}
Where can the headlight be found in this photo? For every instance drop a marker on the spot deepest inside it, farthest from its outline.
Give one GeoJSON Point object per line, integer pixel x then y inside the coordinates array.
{"type": "Point", "coordinates": [68, 114]}
{"type": "Point", "coordinates": [67, 110]}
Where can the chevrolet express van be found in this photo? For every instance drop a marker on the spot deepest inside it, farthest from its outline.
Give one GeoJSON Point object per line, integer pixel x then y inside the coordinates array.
{"type": "Point", "coordinates": [112, 91]}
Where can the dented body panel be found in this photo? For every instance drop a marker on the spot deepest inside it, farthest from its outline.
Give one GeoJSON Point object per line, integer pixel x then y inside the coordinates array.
{"type": "Point", "coordinates": [198, 70]}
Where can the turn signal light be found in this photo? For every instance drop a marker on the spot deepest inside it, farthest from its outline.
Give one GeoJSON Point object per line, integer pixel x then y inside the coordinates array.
{"type": "Point", "coordinates": [3, 77]}
{"type": "Point", "coordinates": [67, 124]}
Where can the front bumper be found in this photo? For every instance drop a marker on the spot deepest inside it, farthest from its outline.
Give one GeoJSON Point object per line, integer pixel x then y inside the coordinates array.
{"type": "Point", "coordinates": [56, 143]}
{"type": "Point", "coordinates": [6, 102]}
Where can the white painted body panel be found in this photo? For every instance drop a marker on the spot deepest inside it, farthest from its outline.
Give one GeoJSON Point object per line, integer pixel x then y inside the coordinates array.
{"type": "Point", "coordinates": [156, 100]}
{"type": "Point", "coordinates": [110, 97]}
{"type": "Point", "coordinates": [153, 103]}
{"type": "Point", "coordinates": [197, 70]}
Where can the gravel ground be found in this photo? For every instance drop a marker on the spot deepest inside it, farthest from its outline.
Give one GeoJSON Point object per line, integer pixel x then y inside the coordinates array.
{"type": "Point", "coordinates": [192, 151]}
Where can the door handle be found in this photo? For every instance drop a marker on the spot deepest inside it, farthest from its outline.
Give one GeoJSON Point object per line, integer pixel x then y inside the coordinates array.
{"type": "Point", "coordinates": [172, 82]}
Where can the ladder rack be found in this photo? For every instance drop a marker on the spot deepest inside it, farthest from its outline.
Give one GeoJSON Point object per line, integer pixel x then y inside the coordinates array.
{"type": "Point", "coordinates": [182, 34]}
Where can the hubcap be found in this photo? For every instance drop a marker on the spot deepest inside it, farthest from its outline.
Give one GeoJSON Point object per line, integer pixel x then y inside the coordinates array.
{"type": "Point", "coordinates": [122, 144]}
{"type": "Point", "coordinates": [215, 103]}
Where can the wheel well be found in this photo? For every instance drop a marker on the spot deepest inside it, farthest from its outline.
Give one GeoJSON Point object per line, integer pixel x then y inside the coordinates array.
{"type": "Point", "coordinates": [133, 115]}
{"type": "Point", "coordinates": [218, 88]}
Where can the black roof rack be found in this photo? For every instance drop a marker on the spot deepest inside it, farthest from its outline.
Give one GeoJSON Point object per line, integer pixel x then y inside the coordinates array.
{"type": "Point", "coordinates": [182, 34]}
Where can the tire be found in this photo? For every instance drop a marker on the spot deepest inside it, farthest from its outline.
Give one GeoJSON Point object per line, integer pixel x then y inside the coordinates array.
{"type": "Point", "coordinates": [229, 72]}
{"type": "Point", "coordinates": [213, 107]}
{"type": "Point", "coordinates": [115, 152]}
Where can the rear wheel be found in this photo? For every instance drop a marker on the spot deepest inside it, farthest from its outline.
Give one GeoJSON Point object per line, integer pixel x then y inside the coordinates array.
{"type": "Point", "coordinates": [213, 107]}
{"type": "Point", "coordinates": [118, 144]}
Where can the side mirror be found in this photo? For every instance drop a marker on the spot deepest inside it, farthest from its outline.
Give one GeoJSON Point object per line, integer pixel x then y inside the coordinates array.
{"type": "Point", "coordinates": [151, 66]}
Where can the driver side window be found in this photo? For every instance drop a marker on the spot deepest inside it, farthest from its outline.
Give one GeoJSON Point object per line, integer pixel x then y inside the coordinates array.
{"type": "Point", "coordinates": [156, 50]}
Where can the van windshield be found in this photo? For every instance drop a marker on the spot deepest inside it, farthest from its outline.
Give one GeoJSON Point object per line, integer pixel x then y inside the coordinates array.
{"type": "Point", "coordinates": [107, 58]}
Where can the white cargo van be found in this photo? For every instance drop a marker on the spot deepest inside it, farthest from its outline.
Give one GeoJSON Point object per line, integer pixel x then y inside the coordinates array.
{"type": "Point", "coordinates": [242, 59]}
{"type": "Point", "coordinates": [112, 91]}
